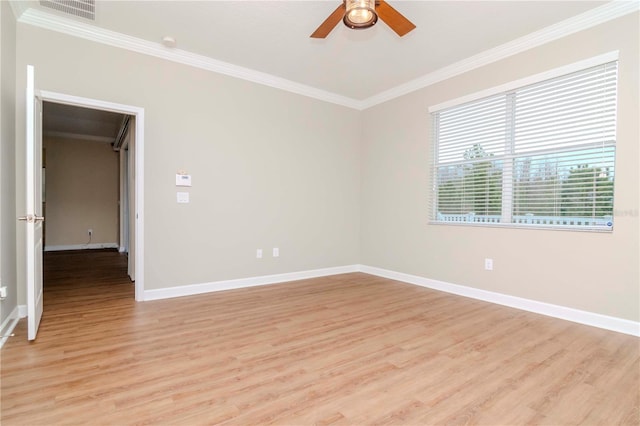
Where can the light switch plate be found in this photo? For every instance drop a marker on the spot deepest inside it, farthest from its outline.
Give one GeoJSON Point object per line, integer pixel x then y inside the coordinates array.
{"type": "Point", "coordinates": [182, 197]}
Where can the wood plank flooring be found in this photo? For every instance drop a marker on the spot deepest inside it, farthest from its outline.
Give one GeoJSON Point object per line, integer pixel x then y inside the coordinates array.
{"type": "Point", "coordinates": [348, 349]}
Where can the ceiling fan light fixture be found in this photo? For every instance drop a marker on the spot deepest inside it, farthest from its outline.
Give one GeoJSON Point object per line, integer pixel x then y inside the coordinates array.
{"type": "Point", "coordinates": [360, 14]}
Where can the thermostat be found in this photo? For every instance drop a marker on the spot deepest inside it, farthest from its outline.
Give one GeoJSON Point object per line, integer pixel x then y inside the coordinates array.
{"type": "Point", "coordinates": [183, 180]}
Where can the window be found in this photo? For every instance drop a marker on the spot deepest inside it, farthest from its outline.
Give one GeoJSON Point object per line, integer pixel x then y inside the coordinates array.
{"type": "Point", "coordinates": [538, 155]}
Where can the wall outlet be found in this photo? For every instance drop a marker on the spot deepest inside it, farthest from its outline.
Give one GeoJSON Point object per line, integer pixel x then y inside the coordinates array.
{"type": "Point", "coordinates": [259, 254]}
{"type": "Point", "coordinates": [3, 292]}
{"type": "Point", "coordinates": [90, 231]}
{"type": "Point", "coordinates": [488, 264]}
{"type": "Point", "coordinates": [276, 252]}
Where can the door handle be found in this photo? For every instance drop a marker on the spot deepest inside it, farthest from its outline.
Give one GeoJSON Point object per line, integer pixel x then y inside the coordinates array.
{"type": "Point", "coordinates": [30, 218]}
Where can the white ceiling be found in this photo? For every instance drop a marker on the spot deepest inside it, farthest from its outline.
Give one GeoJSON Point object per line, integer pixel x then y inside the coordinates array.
{"type": "Point", "coordinates": [272, 37]}
{"type": "Point", "coordinates": [67, 121]}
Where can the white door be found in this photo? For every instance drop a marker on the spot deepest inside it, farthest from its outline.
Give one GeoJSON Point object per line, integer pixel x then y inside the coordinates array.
{"type": "Point", "coordinates": [33, 217]}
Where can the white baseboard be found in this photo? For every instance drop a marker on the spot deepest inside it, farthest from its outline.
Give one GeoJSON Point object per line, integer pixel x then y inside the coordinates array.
{"type": "Point", "coordinates": [8, 325]}
{"type": "Point", "coordinates": [193, 289]}
{"type": "Point", "coordinates": [562, 312]}
{"type": "Point", "coordinates": [575, 315]}
{"type": "Point", "coordinates": [92, 246]}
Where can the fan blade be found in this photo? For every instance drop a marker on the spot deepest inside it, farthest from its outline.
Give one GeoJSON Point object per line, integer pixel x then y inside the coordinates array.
{"type": "Point", "coordinates": [394, 19]}
{"type": "Point", "coordinates": [329, 24]}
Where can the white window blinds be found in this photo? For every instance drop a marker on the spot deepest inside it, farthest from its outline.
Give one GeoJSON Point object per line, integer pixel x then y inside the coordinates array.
{"type": "Point", "coordinates": [541, 155]}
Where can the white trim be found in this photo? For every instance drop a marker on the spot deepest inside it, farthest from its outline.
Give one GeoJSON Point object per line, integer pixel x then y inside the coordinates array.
{"type": "Point", "coordinates": [533, 79]}
{"type": "Point", "coordinates": [94, 33]}
{"type": "Point", "coordinates": [139, 207]}
{"type": "Point", "coordinates": [575, 315]}
{"type": "Point", "coordinates": [562, 312]}
{"type": "Point", "coordinates": [8, 325]}
{"type": "Point", "coordinates": [193, 289]}
{"type": "Point", "coordinates": [18, 8]}
{"type": "Point", "coordinates": [139, 155]}
{"type": "Point", "coordinates": [586, 20]}
{"type": "Point", "coordinates": [92, 246]}
{"type": "Point", "coordinates": [63, 98]}
{"type": "Point", "coordinates": [589, 19]}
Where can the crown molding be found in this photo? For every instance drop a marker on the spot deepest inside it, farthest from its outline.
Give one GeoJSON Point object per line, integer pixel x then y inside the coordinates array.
{"type": "Point", "coordinates": [591, 18]}
{"type": "Point", "coordinates": [94, 33]}
{"type": "Point", "coordinates": [586, 20]}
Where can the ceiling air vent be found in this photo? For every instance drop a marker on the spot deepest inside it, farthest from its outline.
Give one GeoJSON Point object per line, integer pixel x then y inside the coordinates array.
{"type": "Point", "coordinates": [78, 8]}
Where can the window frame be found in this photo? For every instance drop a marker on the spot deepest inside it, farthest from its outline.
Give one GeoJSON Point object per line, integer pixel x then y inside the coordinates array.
{"type": "Point", "coordinates": [508, 90]}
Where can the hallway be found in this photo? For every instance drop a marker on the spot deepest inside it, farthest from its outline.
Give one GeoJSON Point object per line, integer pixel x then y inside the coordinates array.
{"type": "Point", "coordinates": [72, 278]}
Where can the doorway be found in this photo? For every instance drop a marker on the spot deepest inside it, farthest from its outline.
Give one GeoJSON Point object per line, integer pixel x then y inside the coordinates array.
{"type": "Point", "coordinates": [81, 190]}
{"type": "Point", "coordinates": [130, 157]}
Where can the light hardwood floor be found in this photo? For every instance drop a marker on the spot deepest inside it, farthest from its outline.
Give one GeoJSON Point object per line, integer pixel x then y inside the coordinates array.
{"type": "Point", "coordinates": [347, 349]}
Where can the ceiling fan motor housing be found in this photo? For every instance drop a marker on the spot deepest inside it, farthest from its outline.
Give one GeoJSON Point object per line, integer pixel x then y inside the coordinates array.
{"type": "Point", "coordinates": [360, 14]}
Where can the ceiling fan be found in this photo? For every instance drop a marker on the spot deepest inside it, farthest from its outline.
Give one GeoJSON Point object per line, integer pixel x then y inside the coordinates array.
{"type": "Point", "coordinates": [360, 14]}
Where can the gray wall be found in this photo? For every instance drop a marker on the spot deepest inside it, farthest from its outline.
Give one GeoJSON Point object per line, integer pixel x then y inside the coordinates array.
{"type": "Point", "coordinates": [597, 272]}
{"type": "Point", "coordinates": [81, 192]}
{"type": "Point", "coordinates": [7, 159]}
{"type": "Point", "coordinates": [269, 168]}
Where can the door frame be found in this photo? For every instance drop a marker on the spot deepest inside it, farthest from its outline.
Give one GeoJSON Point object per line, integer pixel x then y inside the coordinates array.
{"type": "Point", "coordinates": [138, 112]}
